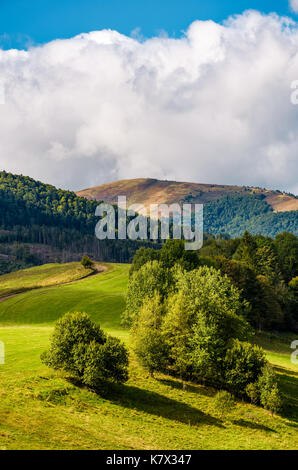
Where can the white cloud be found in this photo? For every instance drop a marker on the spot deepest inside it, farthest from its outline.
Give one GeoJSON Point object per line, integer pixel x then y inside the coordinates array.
{"type": "Point", "coordinates": [294, 5]}
{"type": "Point", "coordinates": [213, 106]}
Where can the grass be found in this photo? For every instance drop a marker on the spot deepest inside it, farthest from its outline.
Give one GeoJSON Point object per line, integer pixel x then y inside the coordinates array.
{"type": "Point", "coordinates": [42, 409]}
{"type": "Point", "coordinates": [101, 296]}
{"type": "Point", "coordinates": [41, 276]}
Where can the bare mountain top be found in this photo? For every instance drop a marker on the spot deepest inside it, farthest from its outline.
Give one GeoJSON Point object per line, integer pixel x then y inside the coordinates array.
{"type": "Point", "coordinates": [152, 191]}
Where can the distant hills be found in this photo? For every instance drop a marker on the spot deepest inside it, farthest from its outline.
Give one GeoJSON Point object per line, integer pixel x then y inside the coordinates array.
{"type": "Point", "coordinates": [40, 223]}
{"type": "Point", "coordinates": [227, 209]}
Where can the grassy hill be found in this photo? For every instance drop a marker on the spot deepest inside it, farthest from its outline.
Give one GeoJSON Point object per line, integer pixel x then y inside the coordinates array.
{"type": "Point", "coordinates": [41, 409]}
{"type": "Point", "coordinates": [41, 276]}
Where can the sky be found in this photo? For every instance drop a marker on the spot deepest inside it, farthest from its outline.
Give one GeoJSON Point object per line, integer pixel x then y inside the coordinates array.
{"type": "Point", "coordinates": [24, 23]}
{"type": "Point", "coordinates": [95, 91]}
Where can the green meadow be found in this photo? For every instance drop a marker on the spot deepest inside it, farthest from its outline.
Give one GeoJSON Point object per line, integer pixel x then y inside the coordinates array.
{"type": "Point", "coordinates": [41, 276]}
{"type": "Point", "coordinates": [44, 409]}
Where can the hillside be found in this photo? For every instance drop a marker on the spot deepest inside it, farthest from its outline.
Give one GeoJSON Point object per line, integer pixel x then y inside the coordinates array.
{"type": "Point", "coordinates": [227, 209]}
{"type": "Point", "coordinates": [41, 276]}
{"type": "Point", "coordinates": [152, 191]}
{"type": "Point", "coordinates": [40, 224]}
{"type": "Point", "coordinates": [42, 409]}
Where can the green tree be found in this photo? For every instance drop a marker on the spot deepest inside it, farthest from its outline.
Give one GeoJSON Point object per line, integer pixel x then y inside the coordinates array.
{"type": "Point", "coordinates": [173, 252]}
{"type": "Point", "coordinates": [267, 310]}
{"type": "Point", "coordinates": [286, 245]}
{"type": "Point", "coordinates": [202, 317]}
{"type": "Point", "coordinates": [81, 348]}
{"type": "Point", "coordinates": [246, 250]}
{"type": "Point", "coordinates": [142, 256]}
{"type": "Point", "coordinates": [148, 341]}
{"type": "Point", "coordinates": [150, 279]}
{"type": "Point", "coordinates": [267, 263]}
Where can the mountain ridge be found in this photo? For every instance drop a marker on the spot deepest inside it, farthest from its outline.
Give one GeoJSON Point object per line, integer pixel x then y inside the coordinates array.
{"type": "Point", "coordinates": [153, 191]}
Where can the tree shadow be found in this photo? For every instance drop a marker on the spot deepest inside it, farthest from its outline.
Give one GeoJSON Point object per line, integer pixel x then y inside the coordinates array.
{"type": "Point", "coordinates": [153, 403]}
{"type": "Point", "coordinates": [251, 425]}
{"type": "Point", "coordinates": [289, 388]}
{"type": "Point", "coordinates": [199, 389]}
{"type": "Point", "coordinates": [284, 370]}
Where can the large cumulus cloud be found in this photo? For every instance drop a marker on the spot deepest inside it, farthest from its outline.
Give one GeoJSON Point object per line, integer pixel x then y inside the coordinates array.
{"type": "Point", "coordinates": [213, 106]}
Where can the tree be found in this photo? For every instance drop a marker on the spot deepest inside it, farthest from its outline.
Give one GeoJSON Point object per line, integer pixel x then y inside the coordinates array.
{"type": "Point", "coordinates": [246, 250]}
{"type": "Point", "coordinates": [202, 317]}
{"type": "Point", "coordinates": [267, 311]}
{"type": "Point", "coordinates": [142, 256]}
{"type": "Point", "coordinates": [150, 279]}
{"type": "Point", "coordinates": [173, 252]}
{"type": "Point", "coordinates": [287, 252]}
{"type": "Point", "coordinates": [267, 264]}
{"type": "Point", "coordinates": [81, 348]}
{"type": "Point", "coordinates": [148, 341]}
{"type": "Point", "coordinates": [86, 262]}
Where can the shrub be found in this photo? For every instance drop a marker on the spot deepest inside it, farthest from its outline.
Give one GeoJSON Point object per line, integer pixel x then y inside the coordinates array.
{"type": "Point", "coordinates": [271, 400]}
{"type": "Point", "coordinates": [243, 365]}
{"type": "Point", "coordinates": [270, 397]}
{"type": "Point", "coordinates": [86, 262]}
{"type": "Point", "coordinates": [105, 362]}
{"type": "Point", "coordinates": [265, 391]}
{"type": "Point", "coordinates": [81, 348]}
{"type": "Point", "coordinates": [253, 393]}
{"type": "Point", "coordinates": [224, 403]}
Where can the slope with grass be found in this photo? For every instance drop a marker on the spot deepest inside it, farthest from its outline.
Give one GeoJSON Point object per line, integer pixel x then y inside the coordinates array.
{"type": "Point", "coordinates": [41, 276]}
{"type": "Point", "coordinates": [42, 409]}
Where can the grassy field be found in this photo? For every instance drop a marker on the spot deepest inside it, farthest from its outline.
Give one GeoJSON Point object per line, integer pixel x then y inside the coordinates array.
{"type": "Point", "coordinates": [42, 409]}
{"type": "Point", "coordinates": [41, 276]}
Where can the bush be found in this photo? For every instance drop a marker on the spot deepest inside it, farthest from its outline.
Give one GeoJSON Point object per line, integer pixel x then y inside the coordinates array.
{"type": "Point", "coordinates": [105, 362]}
{"type": "Point", "coordinates": [271, 400]}
{"type": "Point", "coordinates": [265, 391]}
{"type": "Point", "coordinates": [243, 365]}
{"type": "Point", "coordinates": [224, 403]}
{"type": "Point", "coordinates": [86, 262]}
{"type": "Point", "coordinates": [81, 348]}
{"type": "Point", "coordinates": [270, 397]}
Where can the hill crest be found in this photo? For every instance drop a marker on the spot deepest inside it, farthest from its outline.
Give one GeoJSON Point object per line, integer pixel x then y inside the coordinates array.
{"type": "Point", "coordinates": [153, 191]}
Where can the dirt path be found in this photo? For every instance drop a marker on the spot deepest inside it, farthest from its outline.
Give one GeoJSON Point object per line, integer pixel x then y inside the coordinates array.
{"type": "Point", "coordinates": [98, 268]}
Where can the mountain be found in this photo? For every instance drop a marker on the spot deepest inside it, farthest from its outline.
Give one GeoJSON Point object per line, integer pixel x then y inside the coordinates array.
{"type": "Point", "coordinates": [227, 209]}
{"type": "Point", "coordinates": [149, 191]}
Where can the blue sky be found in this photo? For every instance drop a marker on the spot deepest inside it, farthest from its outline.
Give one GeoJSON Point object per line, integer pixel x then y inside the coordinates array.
{"type": "Point", "coordinates": [26, 22]}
